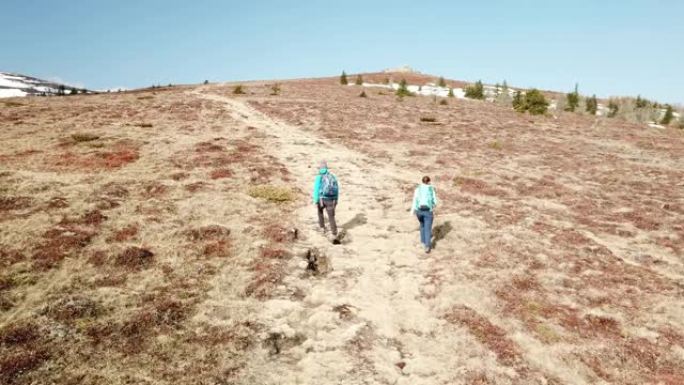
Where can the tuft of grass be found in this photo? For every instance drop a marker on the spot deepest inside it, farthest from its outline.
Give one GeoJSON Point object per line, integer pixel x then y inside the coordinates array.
{"type": "Point", "coordinates": [84, 137]}
{"type": "Point", "coordinates": [239, 90]}
{"type": "Point", "coordinates": [271, 193]}
{"type": "Point", "coordinates": [363, 94]}
{"type": "Point", "coordinates": [443, 102]}
{"type": "Point", "coordinates": [144, 125]}
{"type": "Point", "coordinates": [11, 103]}
{"type": "Point", "coordinates": [428, 119]}
{"type": "Point", "coordinates": [496, 145]}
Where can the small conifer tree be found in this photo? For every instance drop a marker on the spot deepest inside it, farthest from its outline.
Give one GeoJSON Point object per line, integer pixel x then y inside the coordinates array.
{"type": "Point", "coordinates": [518, 102]}
{"type": "Point", "coordinates": [441, 82]}
{"type": "Point", "coordinates": [359, 80]}
{"type": "Point", "coordinates": [591, 105]}
{"type": "Point", "coordinates": [403, 89]}
{"type": "Point", "coordinates": [451, 93]}
{"type": "Point", "coordinates": [572, 100]}
{"type": "Point", "coordinates": [535, 102]}
{"type": "Point", "coordinates": [612, 108]}
{"type": "Point", "coordinates": [475, 91]}
{"type": "Point", "coordinates": [343, 79]}
{"type": "Point", "coordinates": [668, 116]}
{"type": "Point", "coordinates": [238, 90]}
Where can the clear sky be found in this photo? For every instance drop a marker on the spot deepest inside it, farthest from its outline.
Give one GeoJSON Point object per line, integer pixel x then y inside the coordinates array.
{"type": "Point", "coordinates": [609, 47]}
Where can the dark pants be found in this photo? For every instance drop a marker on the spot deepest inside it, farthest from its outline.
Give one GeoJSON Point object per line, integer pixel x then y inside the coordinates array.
{"type": "Point", "coordinates": [329, 206]}
{"type": "Point", "coordinates": [425, 219]}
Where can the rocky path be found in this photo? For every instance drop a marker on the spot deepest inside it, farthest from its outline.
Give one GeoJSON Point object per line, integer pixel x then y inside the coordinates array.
{"type": "Point", "coordinates": [366, 318]}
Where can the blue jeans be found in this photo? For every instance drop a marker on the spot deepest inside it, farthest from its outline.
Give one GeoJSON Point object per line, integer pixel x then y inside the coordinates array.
{"type": "Point", "coordinates": [425, 219]}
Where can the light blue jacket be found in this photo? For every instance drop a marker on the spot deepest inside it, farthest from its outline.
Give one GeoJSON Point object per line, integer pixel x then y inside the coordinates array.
{"type": "Point", "coordinates": [317, 186]}
{"type": "Point", "coordinates": [424, 195]}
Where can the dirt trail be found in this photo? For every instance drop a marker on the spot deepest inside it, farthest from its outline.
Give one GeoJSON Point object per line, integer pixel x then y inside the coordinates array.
{"type": "Point", "coordinates": [367, 320]}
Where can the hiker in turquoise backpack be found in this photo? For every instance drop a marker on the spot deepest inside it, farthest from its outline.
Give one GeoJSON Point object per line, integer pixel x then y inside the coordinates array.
{"type": "Point", "coordinates": [424, 203]}
{"type": "Point", "coordinates": [325, 195]}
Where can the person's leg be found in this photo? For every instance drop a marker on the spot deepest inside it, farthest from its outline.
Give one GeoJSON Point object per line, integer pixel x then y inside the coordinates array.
{"type": "Point", "coordinates": [330, 208]}
{"type": "Point", "coordinates": [419, 214]}
{"type": "Point", "coordinates": [321, 221]}
{"type": "Point", "coordinates": [428, 229]}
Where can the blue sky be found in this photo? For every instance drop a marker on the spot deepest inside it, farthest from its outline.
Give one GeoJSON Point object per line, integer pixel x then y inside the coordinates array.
{"type": "Point", "coordinates": [608, 47]}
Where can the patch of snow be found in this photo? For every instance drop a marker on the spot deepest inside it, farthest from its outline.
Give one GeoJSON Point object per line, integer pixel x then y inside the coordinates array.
{"type": "Point", "coordinates": [425, 90]}
{"type": "Point", "coordinates": [10, 82]}
{"type": "Point", "coordinates": [11, 93]}
{"type": "Point", "coordinates": [655, 125]}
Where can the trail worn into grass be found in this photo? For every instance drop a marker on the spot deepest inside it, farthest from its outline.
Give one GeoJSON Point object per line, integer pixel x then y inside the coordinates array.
{"type": "Point", "coordinates": [372, 315]}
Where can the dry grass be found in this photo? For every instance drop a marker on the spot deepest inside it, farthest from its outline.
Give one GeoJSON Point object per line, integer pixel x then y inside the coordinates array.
{"type": "Point", "coordinates": [276, 194]}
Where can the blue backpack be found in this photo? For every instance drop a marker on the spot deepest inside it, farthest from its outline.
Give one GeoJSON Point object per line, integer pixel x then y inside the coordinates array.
{"type": "Point", "coordinates": [329, 188]}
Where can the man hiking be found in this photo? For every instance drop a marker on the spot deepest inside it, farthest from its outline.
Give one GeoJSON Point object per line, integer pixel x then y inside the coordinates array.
{"type": "Point", "coordinates": [424, 202]}
{"type": "Point", "coordinates": [325, 195]}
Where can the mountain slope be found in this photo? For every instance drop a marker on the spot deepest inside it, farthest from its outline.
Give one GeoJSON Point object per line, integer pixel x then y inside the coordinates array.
{"type": "Point", "coordinates": [14, 85]}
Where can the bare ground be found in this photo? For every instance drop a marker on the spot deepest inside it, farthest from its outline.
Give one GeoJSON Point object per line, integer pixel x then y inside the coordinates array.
{"type": "Point", "coordinates": [138, 243]}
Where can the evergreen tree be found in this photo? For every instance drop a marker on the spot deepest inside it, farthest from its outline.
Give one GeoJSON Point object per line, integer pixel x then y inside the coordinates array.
{"type": "Point", "coordinates": [518, 102]}
{"type": "Point", "coordinates": [475, 91]}
{"type": "Point", "coordinates": [591, 105]}
{"type": "Point", "coordinates": [343, 79]}
{"type": "Point", "coordinates": [403, 89]}
{"type": "Point", "coordinates": [640, 102]}
{"type": "Point", "coordinates": [535, 102]}
{"type": "Point", "coordinates": [359, 80]}
{"type": "Point", "coordinates": [572, 100]}
{"type": "Point", "coordinates": [612, 108]}
{"type": "Point", "coordinates": [441, 82]}
{"type": "Point", "coordinates": [668, 116]}
{"type": "Point", "coordinates": [451, 93]}
{"type": "Point", "coordinates": [61, 90]}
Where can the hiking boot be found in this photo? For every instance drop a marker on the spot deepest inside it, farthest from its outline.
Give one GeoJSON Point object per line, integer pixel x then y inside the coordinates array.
{"type": "Point", "coordinates": [427, 249]}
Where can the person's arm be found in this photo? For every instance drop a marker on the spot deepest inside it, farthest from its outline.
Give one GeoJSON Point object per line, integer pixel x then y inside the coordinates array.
{"type": "Point", "coordinates": [317, 189]}
{"type": "Point", "coordinates": [414, 206]}
{"type": "Point", "coordinates": [434, 198]}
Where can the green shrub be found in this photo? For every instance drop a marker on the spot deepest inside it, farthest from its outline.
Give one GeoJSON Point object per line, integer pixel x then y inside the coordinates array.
{"type": "Point", "coordinates": [518, 102]}
{"type": "Point", "coordinates": [359, 80]}
{"type": "Point", "coordinates": [271, 193]}
{"type": "Point", "coordinates": [640, 102]}
{"type": "Point", "coordinates": [591, 104]}
{"type": "Point", "coordinates": [441, 82]}
{"type": "Point", "coordinates": [451, 93]}
{"type": "Point", "coordinates": [84, 137]}
{"type": "Point", "coordinates": [612, 108]}
{"type": "Point", "coordinates": [206, 82]}
{"type": "Point", "coordinates": [275, 89]}
{"type": "Point", "coordinates": [238, 90]}
{"type": "Point", "coordinates": [572, 100]}
{"type": "Point", "coordinates": [443, 102]}
{"type": "Point", "coordinates": [668, 116]}
{"type": "Point", "coordinates": [475, 91]}
{"type": "Point", "coordinates": [343, 79]}
{"type": "Point", "coordinates": [403, 89]}
{"type": "Point", "coordinates": [363, 94]}
{"type": "Point", "coordinates": [533, 102]}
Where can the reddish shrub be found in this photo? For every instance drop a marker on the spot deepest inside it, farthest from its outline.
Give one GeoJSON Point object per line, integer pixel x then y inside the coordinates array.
{"type": "Point", "coordinates": [219, 248]}
{"type": "Point", "coordinates": [221, 173]}
{"type": "Point", "coordinates": [19, 333]}
{"type": "Point", "coordinates": [74, 307]}
{"type": "Point", "coordinates": [14, 203]}
{"type": "Point", "coordinates": [135, 258]}
{"type": "Point", "coordinates": [490, 335]}
{"type": "Point", "coordinates": [210, 232]}
{"type": "Point", "coordinates": [14, 365]}
{"type": "Point", "coordinates": [271, 253]}
{"type": "Point", "coordinates": [125, 234]}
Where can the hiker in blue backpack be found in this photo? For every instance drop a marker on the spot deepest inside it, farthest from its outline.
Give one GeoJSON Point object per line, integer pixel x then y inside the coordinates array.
{"type": "Point", "coordinates": [325, 195]}
{"type": "Point", "coordinates": [424, 203]}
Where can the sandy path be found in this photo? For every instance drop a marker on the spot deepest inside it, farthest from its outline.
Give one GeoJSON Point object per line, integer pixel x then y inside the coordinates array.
{"type": "Point", "coordinates": [367, 320]}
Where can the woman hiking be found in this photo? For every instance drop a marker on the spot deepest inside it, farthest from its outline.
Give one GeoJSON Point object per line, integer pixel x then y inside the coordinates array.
{"type": "Point", "coordinates": [325, 195]}
{"type": "Point", "coordinates": [424, 203]}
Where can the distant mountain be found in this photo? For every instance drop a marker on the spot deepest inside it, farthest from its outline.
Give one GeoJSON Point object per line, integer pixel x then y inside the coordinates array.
{"type": "Point", "coordinates": [13, 85]}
